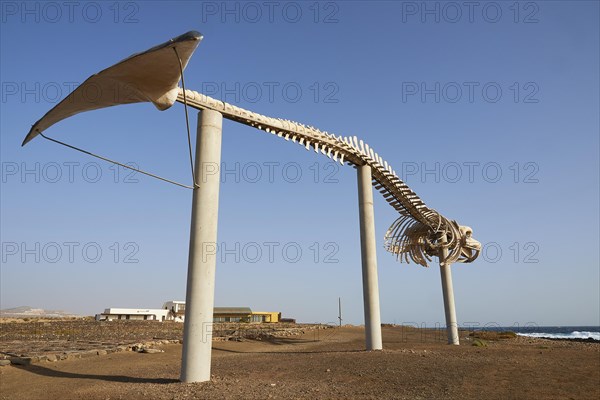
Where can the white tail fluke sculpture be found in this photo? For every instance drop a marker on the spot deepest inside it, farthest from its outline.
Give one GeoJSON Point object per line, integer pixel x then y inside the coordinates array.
{"type": "Point", "coordinates": [418, 234]}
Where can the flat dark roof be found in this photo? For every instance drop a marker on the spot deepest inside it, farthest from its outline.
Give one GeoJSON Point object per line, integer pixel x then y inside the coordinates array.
{"type": "Point", "coordinates": [232, 310]}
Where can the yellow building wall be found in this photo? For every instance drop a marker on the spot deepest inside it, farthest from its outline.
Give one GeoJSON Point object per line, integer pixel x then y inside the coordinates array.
{"type": "Point", "coordinates": [269, 316]}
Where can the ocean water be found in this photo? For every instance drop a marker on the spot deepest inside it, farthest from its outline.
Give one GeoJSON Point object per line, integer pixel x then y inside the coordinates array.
{"type": "Point", "coordinates": [554, 332]}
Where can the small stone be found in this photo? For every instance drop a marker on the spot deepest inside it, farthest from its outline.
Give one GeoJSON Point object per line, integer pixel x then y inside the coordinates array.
{"type": "Point", "coordinates": [87, 353]}
{"type": "Point", "coordinates": [137, 347]}
{"type": "Point", "coordinates": [273, 384]}
{"type": "Point", "coordinates": [328, 370]}
{"type": "Point", "coordinates": [4, 362]}
{"type": "Point", "coordinates": [151, 351]}
{"type": "Point", "coordinates": [21, 360]}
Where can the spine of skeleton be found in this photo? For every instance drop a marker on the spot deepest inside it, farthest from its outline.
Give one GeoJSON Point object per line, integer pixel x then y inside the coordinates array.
{"type": "Point", "coordinates": [418, 226]}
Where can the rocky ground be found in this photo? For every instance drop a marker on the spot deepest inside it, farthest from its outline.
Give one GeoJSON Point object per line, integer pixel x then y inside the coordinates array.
{"type": "Point", "coordinates": [325, 363]}
{"type": "Point", "coordinates": [38, 340]}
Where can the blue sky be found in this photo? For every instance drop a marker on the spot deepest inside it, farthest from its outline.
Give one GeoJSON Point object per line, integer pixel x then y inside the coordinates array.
{"type": "Point", "coordinates": [490, 113]}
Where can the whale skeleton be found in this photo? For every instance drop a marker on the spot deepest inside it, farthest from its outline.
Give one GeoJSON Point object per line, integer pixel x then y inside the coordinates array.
{"type": "Point", "coordinates": [418, 234]}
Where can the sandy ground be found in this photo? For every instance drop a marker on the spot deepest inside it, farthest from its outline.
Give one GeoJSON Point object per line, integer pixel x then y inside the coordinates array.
{"type": "Point", "coordinates": [326, 365]}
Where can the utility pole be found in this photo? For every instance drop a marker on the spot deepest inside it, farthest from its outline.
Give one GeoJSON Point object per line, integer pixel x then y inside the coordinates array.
{"type": "Point", "coordinates": [340, 310]}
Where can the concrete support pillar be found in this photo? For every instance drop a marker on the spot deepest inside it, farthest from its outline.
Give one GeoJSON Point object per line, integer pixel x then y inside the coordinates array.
{"type": "Point", "coordinates": [369, 258]}
{"type": "Point", "coordinates": [448, 293]}
{"type": "Point", "coordinates": [199, 300]}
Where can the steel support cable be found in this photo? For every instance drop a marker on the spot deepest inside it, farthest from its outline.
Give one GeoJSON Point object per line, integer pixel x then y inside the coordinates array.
{"type": "Point", "coordinates": [115, 162]}
{"type": "Point", "coordinates": [187, 119]}
{"type": "Point", "coordinates": [187, 123]}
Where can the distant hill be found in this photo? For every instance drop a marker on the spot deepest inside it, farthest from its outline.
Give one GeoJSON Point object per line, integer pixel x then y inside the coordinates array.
{"type": "Point", "coordinates": [30, 312]}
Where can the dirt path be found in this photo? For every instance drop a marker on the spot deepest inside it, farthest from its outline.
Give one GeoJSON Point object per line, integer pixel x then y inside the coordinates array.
{"type": "Point", "coordinates": [330, 365]}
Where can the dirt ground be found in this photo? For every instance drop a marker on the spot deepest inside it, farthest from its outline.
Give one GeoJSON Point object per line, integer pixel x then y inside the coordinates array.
{"type": "Point", "coordinates": [330, 365]}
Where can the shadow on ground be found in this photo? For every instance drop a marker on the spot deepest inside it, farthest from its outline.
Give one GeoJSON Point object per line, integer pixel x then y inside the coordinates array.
{"type": "Point", "coordinates": [39, 370]}
{"type": "Point", "coordinates": [292, 342]}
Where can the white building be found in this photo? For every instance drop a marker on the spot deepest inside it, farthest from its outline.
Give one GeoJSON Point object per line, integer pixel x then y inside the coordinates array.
{"type": "Point", "coordinates": [138, 314]}
{"type": "Point", "coordinates": [176, 310]}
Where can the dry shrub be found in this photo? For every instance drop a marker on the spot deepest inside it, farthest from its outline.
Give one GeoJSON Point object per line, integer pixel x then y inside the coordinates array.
{"type": "Point", "coordinates": [493, 335]}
